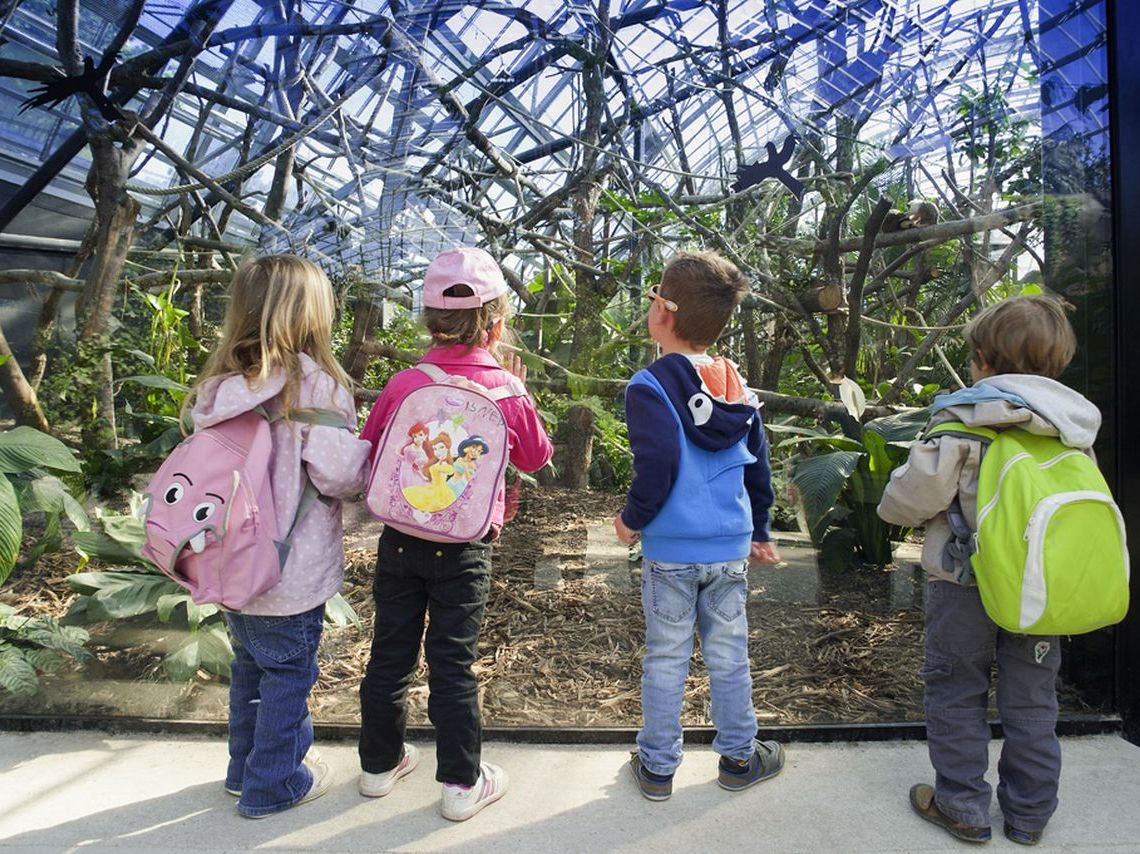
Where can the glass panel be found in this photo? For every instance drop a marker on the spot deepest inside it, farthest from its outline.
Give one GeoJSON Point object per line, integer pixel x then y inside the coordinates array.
{"type": "Point", "coordinates": [469, 122]}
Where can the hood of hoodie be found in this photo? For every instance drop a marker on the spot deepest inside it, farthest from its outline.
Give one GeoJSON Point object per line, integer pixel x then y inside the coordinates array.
{"type": "Point", "coordinates": [714, 405]}
{"type": "Point", "coordinates": [1029, 402]}
{"type": "Point", "coordinates": [222, 398]}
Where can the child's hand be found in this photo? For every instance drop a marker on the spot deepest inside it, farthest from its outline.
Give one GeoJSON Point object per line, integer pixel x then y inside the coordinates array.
{"type": "Point", "coordinates": [624, 533]}
{"type": "Point", "coordinates": [514, 365]}
{"type": "Point", "coordinates": [764, 553]}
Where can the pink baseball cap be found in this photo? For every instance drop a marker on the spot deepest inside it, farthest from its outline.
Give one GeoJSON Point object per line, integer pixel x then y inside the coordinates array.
{"type": "Point", "coordinates": [466, 265]}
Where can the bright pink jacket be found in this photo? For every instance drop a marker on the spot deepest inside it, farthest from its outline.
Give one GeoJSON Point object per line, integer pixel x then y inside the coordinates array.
{"type": "Point", "coordinates": [334, 459]}
{"type": "Point", "coordinates": [530, 447]}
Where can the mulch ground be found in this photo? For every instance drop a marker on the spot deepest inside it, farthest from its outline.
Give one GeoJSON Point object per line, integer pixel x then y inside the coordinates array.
{"type": "Point", "coordinates": [570, 656]}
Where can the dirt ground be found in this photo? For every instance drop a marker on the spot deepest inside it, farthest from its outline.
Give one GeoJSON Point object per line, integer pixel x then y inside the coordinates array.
{"type": "Point", "coordinates": [568, 655]}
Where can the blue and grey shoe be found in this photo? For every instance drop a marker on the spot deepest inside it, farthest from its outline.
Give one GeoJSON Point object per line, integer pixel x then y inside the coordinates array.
{"type": "Point", "coordinates": [766, 761]}
{"type": "Point", "coordinates": [1021, 837]}
{"type": "Point", "coordinates": [655, 787]}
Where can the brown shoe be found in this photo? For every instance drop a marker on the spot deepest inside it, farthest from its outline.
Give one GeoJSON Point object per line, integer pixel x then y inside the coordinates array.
{"type": "Point", "coordinates": [922, 802]}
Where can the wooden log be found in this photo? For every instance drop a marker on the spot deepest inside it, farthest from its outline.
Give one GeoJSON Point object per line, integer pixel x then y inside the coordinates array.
{"type": "Point", "coordinates": [822, 299]}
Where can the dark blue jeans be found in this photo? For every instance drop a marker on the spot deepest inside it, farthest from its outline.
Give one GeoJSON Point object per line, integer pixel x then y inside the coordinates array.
{"type": "Point", "coordinates": [962, 644]}
{"type": "Point", "coordinates": [274, 668]}
{"type": "Point", "coordinates": [449, 584]}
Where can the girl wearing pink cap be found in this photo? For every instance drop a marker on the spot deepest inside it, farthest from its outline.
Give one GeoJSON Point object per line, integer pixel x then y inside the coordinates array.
{"type": "Point", "coordinates": [466, 308]}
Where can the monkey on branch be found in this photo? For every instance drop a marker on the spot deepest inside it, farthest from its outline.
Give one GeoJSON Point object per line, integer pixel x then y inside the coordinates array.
{"type": "Point", "coordinates": [919, 213]}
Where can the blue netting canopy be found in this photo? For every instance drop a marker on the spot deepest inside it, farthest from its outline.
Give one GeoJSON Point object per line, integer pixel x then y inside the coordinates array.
{"type": "Point", "coordinates": [416, 125]}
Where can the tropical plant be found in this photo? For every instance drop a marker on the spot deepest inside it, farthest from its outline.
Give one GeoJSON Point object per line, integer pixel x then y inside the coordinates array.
{"type": "Point", "coordinates": [27, 458]}
{"type": "Point", "coordinates": [139, 591]}
{"type": "Point", "coordinates": [31, 644]}
{"type": "Point", "coordinates": [34, 644]}
{"type": "Point", "coordinates": [840, 482]}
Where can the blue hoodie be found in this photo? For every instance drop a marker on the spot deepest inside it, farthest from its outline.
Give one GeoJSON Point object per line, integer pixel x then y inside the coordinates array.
{"type": "Point", "coordinates": [702, 487]}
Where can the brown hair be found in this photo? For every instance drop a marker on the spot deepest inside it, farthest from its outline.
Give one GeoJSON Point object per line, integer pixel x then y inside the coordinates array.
{"type": "Point", "coordinates": [279, 307]}
{"type": "Point", "coordinates": [707, 289]}
{"type": "Point", "coordinates": [467, 326]}
{"type": "Point", "coordinates": [1023, 335]}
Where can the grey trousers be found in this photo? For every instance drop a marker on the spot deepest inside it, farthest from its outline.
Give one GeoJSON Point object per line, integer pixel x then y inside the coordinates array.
{"type": "Point", "coordinates": [961, 646]}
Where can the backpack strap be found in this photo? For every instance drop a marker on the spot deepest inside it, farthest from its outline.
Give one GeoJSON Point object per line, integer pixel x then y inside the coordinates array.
{"type": "Point", "coordinates": [956, 428]}
{"type": "Point", "coordinates": [963, 541]}
{"type": "Point", "coordinates": [307, 415]}
{"type": "Point", "coordinates": [514, 388]}
{"type": "Point", "coordinates": [309, 495]}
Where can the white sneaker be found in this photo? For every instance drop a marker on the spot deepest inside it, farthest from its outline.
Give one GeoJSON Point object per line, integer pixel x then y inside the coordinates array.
{"type": "Point", "coordinates": [462, 802]}
{"type": "Point", "coordinates": [322, 781]}
{"type": "Point", "coordinates": [378, 785]}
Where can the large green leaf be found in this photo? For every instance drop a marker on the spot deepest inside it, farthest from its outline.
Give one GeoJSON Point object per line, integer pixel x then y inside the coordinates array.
{"type": "Point", "coordinates": [11, 528]}
{"type": "Point", "coordinates": [339, 613]}
{"type": "Point", "coordinates": [157, 381]}
{"type": "Point", "coordinates": [26, 448]}
{"type": "Point", "coordinates": [51, 495]}
{"type": "Point", "coordinates": [206, 649]}
{"type": "Point", "coordinates": [118, 593]}
{"type": "Point", "coordinates": [902, 426]}
{"type": "Point", "coordinates": [819, 480]}
{"type": "Point", "coordinates": [120, 541]}
{"type": "Point", "coordinates": [841, 443]}
{"type": "Point", "coordinates": [17, 675]}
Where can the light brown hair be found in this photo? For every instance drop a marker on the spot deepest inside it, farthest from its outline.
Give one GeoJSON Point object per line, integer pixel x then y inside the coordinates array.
{"type": "Point", "coordinates": [1023, 335]}
{"type": "Point", "coordinates": [279, 307]}
{"type": "Point", "coordinates": [467, 326]}
{"type": "Point", "coordinates": [707, 289]}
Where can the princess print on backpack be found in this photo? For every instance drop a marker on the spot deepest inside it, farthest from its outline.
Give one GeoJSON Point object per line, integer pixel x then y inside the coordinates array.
{"type": "Point", "coordinates": [246, 513]}
{"type": "Point", "coordinates": [443, 433]}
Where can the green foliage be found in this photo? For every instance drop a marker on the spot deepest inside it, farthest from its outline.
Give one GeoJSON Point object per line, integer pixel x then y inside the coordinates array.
{"type": "Point", "coordinates": [841, 481]}
{"type": "Point", "coordinates": [139, 591]}
{"type": "Point", "coordinates": [27, 487]}
{"type": "Point", "coordinates": [31, 645]}
{"type": "Point", "coordinates": [611, 438]}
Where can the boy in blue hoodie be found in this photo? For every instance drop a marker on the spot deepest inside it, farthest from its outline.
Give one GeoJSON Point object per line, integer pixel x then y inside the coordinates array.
{"type": "Point", "coordinates": [699, 503]}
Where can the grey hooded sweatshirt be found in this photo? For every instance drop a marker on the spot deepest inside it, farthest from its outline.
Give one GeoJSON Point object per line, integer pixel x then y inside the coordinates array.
{"type": "Point", "coordinates": [921, 490]}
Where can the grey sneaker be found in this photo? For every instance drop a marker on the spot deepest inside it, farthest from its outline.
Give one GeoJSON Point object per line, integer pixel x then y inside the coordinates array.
{"type": "Point", "coordinates": [654, 790]}
{"type": "Point", "coordinates": [378, 785]}
{"type": "Point", "coordinates": [766, 761]}
{"type": "Point", "coordinates": [461, 802]}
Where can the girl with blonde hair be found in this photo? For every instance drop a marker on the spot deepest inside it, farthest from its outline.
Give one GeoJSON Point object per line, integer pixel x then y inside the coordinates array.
{"type": "Point", "coordinates": [275, 355]}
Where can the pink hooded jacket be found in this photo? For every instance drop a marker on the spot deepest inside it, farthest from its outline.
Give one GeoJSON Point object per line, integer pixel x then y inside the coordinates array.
{"type": "Point", "coordinates": [335, 460]}
{"type": "Point", "coordinates": [530, 447]}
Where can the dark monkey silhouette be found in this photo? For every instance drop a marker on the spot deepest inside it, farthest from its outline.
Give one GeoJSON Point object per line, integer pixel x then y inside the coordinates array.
{"type": "Point", "coordinates": [750, 175]}
{"type": "Point", "coordinates": [91, 81]}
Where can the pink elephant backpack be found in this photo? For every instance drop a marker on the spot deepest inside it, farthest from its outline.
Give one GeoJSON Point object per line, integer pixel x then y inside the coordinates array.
{"type": "Point", "coordinates": [208, 510]}
{"type": "Point", "coordinates": [441, 460]}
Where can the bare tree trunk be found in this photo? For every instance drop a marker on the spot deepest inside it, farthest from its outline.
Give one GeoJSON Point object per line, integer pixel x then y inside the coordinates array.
{"type": "Point", "coordinates": [115, 215]}
{"type": "Point", "coordinates": [18, 392]}
{"type": "Point", "coordinates": [592, 292]}
{"type": "Point", "coordinates": [579, 447]}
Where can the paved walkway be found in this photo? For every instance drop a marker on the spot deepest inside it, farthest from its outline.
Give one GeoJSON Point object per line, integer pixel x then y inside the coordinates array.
{"type": "Point", "coordinates": [89, 791]}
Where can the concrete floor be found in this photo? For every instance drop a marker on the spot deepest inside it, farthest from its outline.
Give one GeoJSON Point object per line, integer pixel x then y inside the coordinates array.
{"type": "Point", "coordinates": [90, 791]}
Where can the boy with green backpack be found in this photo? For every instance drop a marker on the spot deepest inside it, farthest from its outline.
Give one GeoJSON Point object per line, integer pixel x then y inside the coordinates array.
{"type": "Point", "coordinates": [1019, 548]}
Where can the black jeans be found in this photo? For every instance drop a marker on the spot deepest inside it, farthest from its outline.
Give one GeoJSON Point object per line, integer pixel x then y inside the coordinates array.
{"type": "Point", "coordinates": [449, 583]}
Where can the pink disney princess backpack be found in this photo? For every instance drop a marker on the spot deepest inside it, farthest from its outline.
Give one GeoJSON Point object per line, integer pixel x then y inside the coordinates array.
{"type": "Point", "coordinates": [208, 510]}
{"type": "Point", "coordinates": [441, 459]}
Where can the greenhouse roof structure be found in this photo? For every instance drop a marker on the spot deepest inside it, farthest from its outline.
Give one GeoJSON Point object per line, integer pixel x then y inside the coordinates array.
{"type": "Point", "coordinates": [417, 125]}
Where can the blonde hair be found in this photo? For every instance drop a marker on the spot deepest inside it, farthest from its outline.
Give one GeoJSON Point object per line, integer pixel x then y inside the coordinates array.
{"type": "Point", "coordinates": [707, 289]}
{"type": "Point", "coordinates": [279, 307]}
{"type": "Point", "coordinates": [1023, 335]}
{"type": "Point", "coordinates": [467, 326]}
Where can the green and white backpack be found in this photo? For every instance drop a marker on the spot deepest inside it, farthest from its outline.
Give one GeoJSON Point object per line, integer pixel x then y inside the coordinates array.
{"type": "Point", "coordinates": [1050, 554]}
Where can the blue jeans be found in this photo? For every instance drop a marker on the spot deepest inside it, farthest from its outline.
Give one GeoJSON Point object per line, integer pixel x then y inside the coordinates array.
{"type": "Point", "coordinates": [274, 668]}
{"type": "Point", "coordinates": [962, 644]}
{"type": "Point", "coordinates": [678, 598]}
